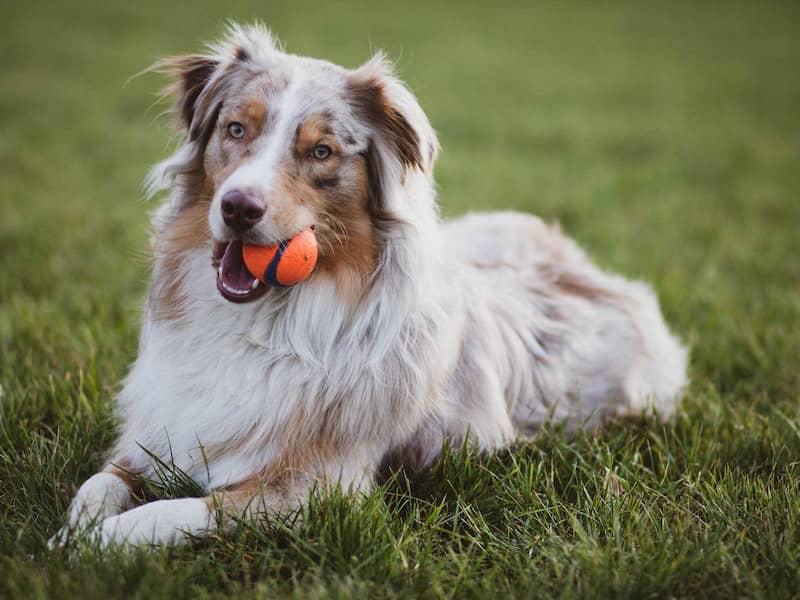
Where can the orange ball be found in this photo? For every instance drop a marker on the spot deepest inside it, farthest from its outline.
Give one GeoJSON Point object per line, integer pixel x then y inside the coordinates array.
{"type": "Point", "coordinates": [283, 264]}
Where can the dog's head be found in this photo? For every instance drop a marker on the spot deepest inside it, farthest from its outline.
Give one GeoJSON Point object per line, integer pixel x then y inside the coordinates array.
{"type": "Point", "coordinates": [275, 143]}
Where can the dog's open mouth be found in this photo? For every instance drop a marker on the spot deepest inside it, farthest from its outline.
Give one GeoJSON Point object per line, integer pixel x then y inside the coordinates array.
{"type": "Point", "coordinates": [234, 281]}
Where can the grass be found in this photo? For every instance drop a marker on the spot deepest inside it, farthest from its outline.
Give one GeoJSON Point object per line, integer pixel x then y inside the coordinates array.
{"type": "Point", "coordinates": [665, 138]}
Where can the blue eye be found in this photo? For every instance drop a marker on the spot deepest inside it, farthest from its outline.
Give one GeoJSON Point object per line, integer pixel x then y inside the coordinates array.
{"type": "Point", "coordinates": [236, 130]}
{"type": "Point", "coordinates": [321, 152]}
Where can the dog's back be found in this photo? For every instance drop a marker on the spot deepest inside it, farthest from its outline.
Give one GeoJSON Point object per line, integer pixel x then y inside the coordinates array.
{"type": "Point", "coordinates": [591, 344]}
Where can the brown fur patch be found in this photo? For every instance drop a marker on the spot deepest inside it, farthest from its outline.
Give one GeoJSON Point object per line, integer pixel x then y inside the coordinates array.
{"type": "Point", "coordinates": [371, 103]}
{"type": "Point", "coordinates": [382, 218]}
{"type": "Point", "coordinates": [191, 74]}
{"type": "Point", "coordinates": [313, 131]}
{"type": "Point", "coordinates": [575, 285]}
{"type": "Point", "coordinates": [218, 161]}
{"type": "Point", "coordinates": [166, 299]}
{"type": "Point", "coordinates": [252, 114]}
{"type": "Point", "coordinates": [127, 476]}
{"type": "Point", "coordinates": [282, 482]}
{"type": "Point", "coordinates": [256, 111]}
{"type": "Point", "coordinates": [242, 54]}
{"type": "Point", "coordinates": [188, 230]}
{"type": "Point", "coordinates": [123, 469]}
{"type": "Point", "coordinates": [348, 246]}
{"type": "Point", "coordinates": [336, 190]}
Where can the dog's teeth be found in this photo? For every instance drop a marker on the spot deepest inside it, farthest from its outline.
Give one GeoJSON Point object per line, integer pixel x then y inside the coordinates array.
{"type": "Point", "coordinates": [255, 284]}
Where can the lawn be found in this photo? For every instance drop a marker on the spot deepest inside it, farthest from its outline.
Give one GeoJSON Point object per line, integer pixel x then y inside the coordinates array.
{"type": "Point", "coordinates": [664, 137]}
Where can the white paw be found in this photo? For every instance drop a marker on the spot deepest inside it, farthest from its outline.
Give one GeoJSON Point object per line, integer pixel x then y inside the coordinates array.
{"type": "Point", "coordinates": [101, 496]}
{"type": "Point", "coordinates": [60, 539]}
{"type": "Point", "coordinates": [165, 522]}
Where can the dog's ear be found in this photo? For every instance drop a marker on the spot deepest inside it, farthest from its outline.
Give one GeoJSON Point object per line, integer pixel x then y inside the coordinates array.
{"type": "Point", "coordinates": [190, 75]}
{"type": "Point", "coordinates": [401, 136]}
{"type": "Point", "coordinates": [393, 113]}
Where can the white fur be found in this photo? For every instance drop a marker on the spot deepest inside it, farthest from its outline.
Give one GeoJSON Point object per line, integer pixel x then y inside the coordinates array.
{"type": "Point", "coordinates": [101, 496]}
{"type": "Point", "coordinates": [487, 325]}
{"type": "Point", "coordinates": [260, 173]}
{"type": "Point", "coordinates": [161, 522]}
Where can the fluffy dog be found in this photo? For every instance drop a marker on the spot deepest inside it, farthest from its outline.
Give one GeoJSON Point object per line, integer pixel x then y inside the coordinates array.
{"type": "Point", "coordinates": [410, 332]}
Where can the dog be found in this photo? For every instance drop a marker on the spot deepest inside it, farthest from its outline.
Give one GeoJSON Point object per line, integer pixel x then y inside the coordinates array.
{"type": "Point", "coordinates": [411, 332]}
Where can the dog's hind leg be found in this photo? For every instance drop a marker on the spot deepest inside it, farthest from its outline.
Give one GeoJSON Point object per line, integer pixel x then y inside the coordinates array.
{"type": "Point", "coordinates": [473, 411]}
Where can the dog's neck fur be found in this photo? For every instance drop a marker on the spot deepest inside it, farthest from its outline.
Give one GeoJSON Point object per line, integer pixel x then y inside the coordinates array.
{"type": "Point", "coordinates": [312, 318]}
{"type": "Point", "coordinates": [298, 349]}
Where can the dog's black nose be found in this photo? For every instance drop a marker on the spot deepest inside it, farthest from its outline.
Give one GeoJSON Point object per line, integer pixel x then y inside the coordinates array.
{"type": "Point", "coordinates": [242, 210]}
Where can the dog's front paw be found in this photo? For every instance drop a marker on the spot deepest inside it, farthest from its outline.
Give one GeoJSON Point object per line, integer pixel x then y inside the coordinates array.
{"type": "Point", "coordinates": [102, 496]}
{"type": "Point", "coordinates": [164, 522]}
{"type": "Point", "coordinates": [61, 538]}
{"type": "Point", "coordinates": [74, 531]}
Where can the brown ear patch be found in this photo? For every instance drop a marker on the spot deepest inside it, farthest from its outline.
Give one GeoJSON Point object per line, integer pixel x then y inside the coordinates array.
{"type": "Point", "coordinates": [370, 103]}
{"type": "Point", "coordinates": [404, 137]}
{"type": "Point", "coordinates": [191, 72]}
{"type": "Point", "coordinates": [382, 218]}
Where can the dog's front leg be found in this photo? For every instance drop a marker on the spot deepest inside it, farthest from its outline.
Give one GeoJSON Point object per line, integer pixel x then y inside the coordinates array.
{"type": "Point", "coordinates": [280, 488]}
{"type": "Point", "coordinates": [164, 522]}
{"type": "Point", "coordinates": [101, 496]}
{"type": "Point", "coordinates": [170, 522]}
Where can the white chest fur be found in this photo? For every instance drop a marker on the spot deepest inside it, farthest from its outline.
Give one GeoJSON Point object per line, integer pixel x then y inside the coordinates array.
{"type": "Point", "coordinates": [214, 391]}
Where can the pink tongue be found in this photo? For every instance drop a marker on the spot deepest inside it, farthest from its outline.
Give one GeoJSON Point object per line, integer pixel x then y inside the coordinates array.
{"type": "Point", "coordinates": [233, 272]}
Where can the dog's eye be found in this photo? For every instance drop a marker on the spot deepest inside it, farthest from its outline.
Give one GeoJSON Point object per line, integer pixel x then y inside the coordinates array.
{"type": "Point", "coordinates": [321, 152]}
{"type": "Point", "coordinates": [236, 130]}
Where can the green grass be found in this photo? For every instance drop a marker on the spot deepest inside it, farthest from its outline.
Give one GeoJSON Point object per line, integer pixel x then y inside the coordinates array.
{"type": "Point", "coordinates": [665, 138]}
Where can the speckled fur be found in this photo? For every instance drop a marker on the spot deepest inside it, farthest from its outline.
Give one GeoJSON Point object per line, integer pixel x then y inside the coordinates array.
{"type": "Point", "coordinates": [485, 326]}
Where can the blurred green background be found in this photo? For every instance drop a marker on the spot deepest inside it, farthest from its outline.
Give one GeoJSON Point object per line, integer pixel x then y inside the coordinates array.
{"type": "Point", "coordinates": [664, 136]}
